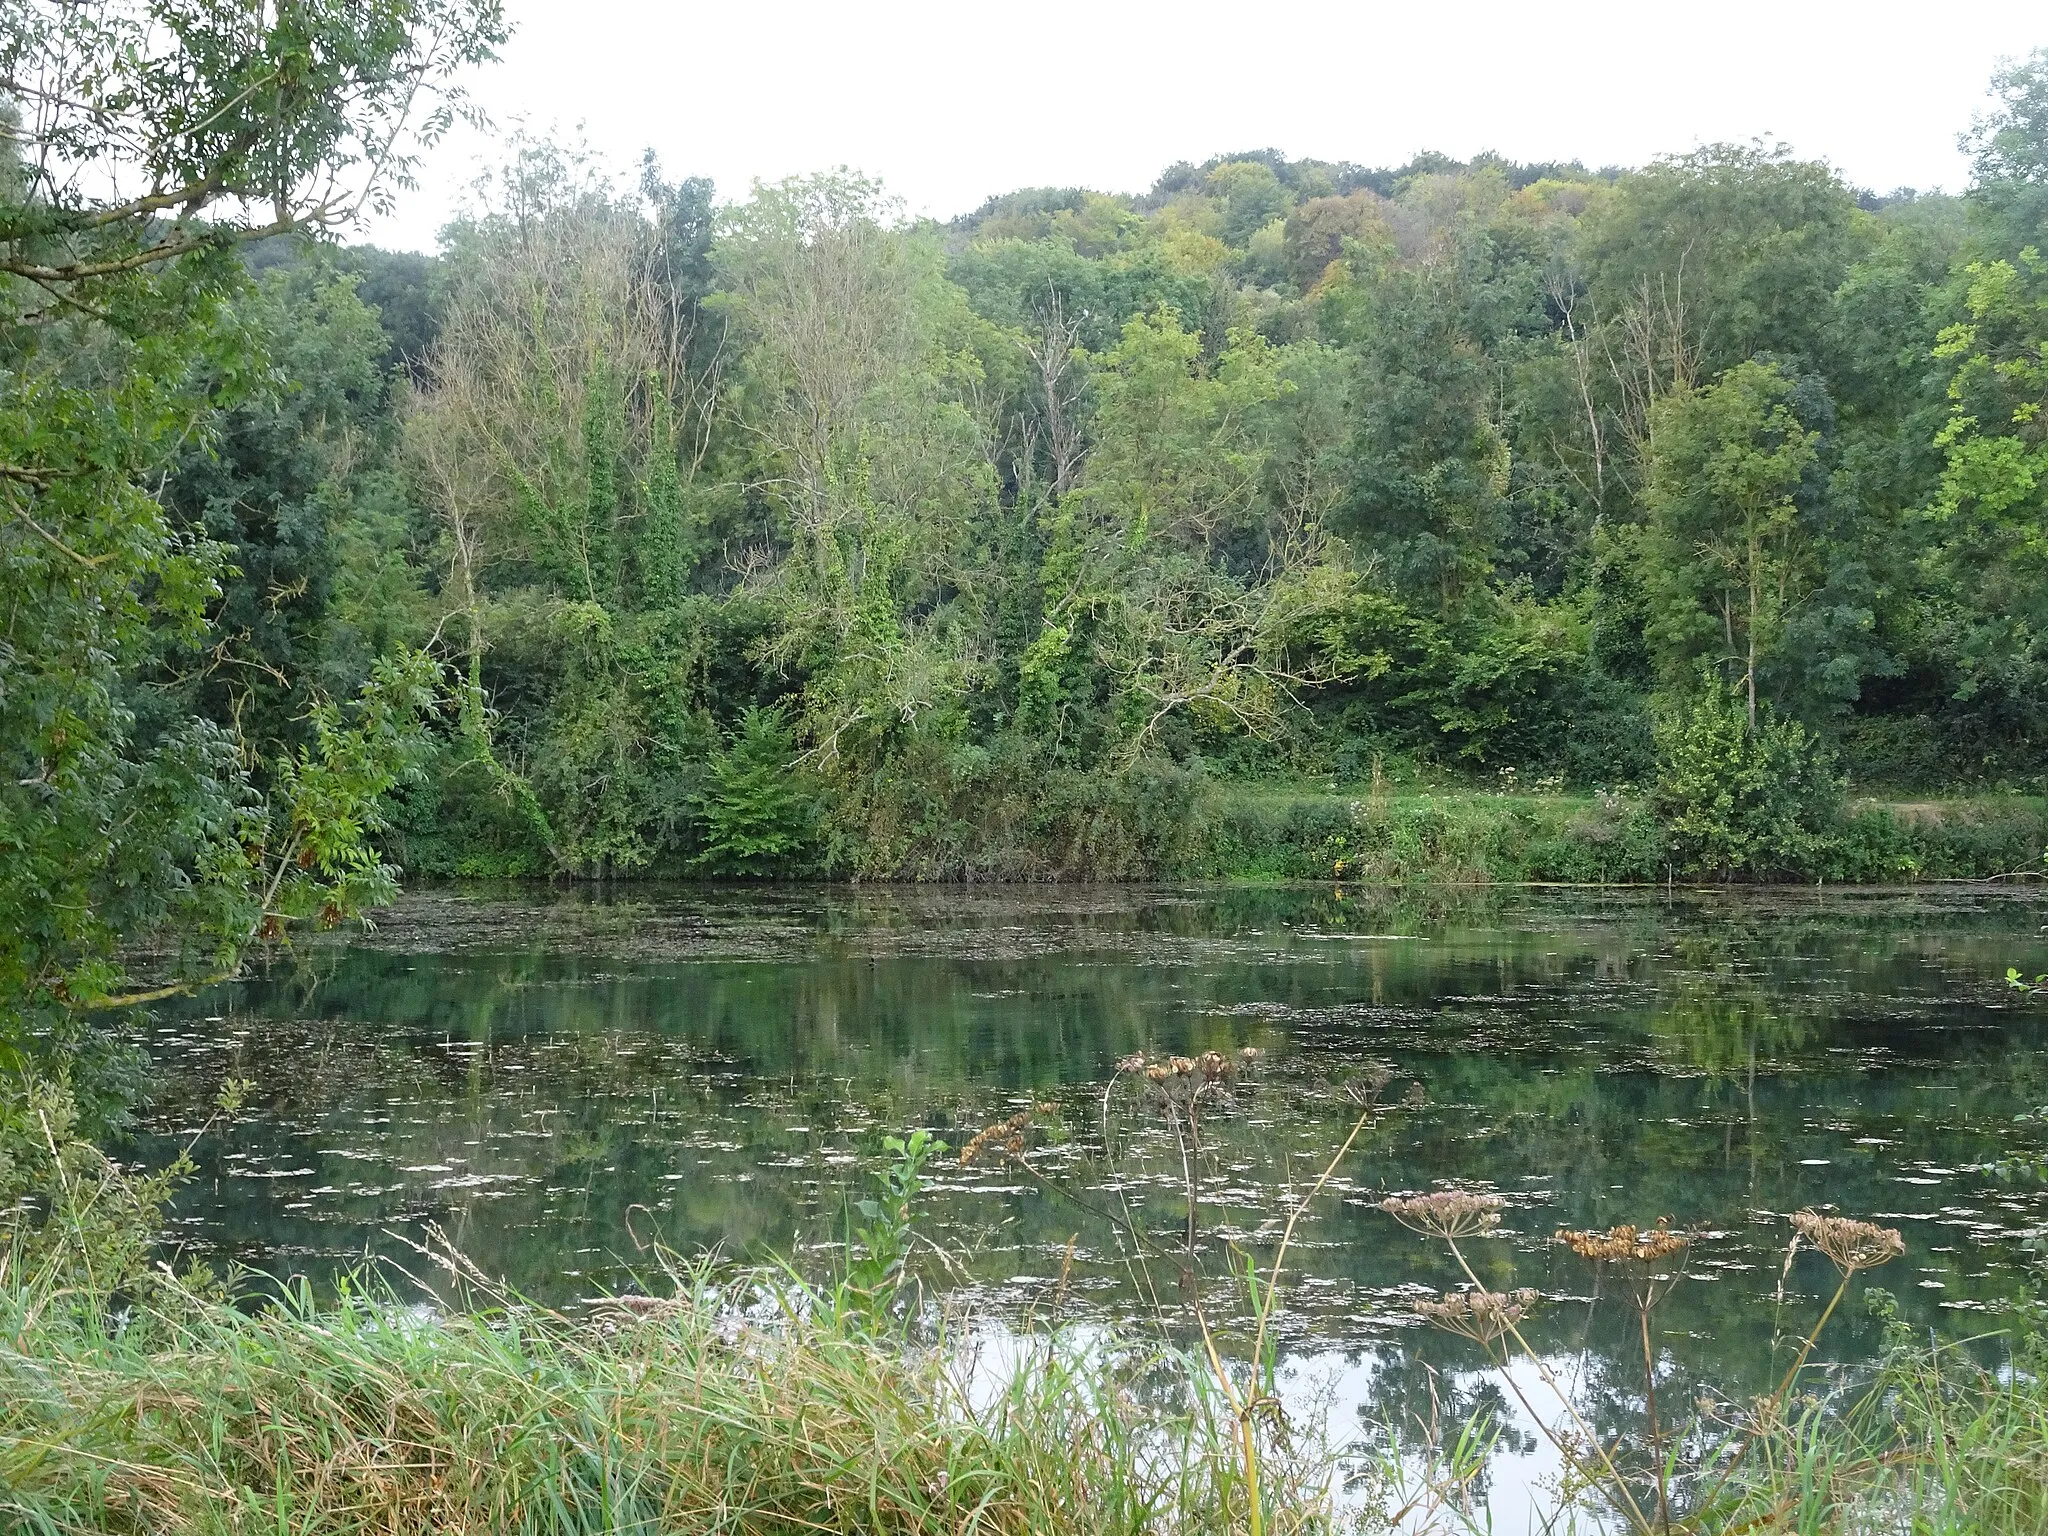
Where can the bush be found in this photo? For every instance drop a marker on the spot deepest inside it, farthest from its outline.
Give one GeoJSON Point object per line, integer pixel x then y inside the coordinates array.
{"type": "Point", "coordinates": [470, 818]}
{"type": "Point", "coordinates": [72, 1221]}
{"type": "Point", "coordinates": [1457, 838]}
{"type": "Point", "coordinates": [760, 818]}
{"type": "Point", "coordinates": [1739, 800]}
{"type": "Point", "coordinates": [1612, 841]}
{"type": "Point", "coordinates": [1609, 741]}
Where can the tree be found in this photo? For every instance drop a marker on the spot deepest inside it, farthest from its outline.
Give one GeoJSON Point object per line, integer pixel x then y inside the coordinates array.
{"type": "Point", "coordinates": [1703, 260]}
{"type": "Point", "coordinates": [1430, 466]}
{"type": "Point", "coordinates": [1196, 549]}
{"type": "Point", "coordinates": [1723, 548]}
{"type": "Point", "coordinates": [1990, 509]}
{"type": "Point", "coordinates": [148, 143]}
{"type": "Point", "coordinates": [858, 360]}
{"type": "Point", "coordinates": [2010, 149]}
{"type": "Point", "coordinates": [1318, 231]}
{"type": "Point", "coordinates": [757, 813]}
{"type": "Point", "coordinates": [272, 482]}
{"type": "Point", "coordinates": [1252, 198]}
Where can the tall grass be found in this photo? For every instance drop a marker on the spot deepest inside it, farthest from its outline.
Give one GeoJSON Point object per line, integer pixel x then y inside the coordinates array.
{"type": "Point", "coordinates": [1925, 1443]}
{"type": "Point", "coordinates": [753, 1402]}
{"type": "Point", "coordinates": [364, 1415]}
{"type": "Point", "coordinates": [1932, 1444]}
{"type": "Point", "coordinates": [734, 1401]}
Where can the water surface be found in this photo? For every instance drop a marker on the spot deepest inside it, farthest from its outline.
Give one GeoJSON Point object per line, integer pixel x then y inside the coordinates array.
{"type": "Point", "coordinates": [558, 1079]}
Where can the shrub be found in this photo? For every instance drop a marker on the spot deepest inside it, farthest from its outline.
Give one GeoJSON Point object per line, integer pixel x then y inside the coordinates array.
{"type": "Point", "coordinates": [1756, 801]}
{"type": "Point", "coordinates": [471, 818]}
{"type": "Point", "coordinates": [759, 816]}
{"type": "Point", "coordinates": [72, 1221]}
{"type": "Point", "coordinates": [1611, 841]}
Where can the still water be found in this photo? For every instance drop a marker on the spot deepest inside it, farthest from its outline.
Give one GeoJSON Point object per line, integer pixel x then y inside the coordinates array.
{"type": "Point", "coordinates": [558, 1079]}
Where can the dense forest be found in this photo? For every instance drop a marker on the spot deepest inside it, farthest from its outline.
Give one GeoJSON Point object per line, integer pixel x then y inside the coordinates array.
{"type": "Point", "coordinates": [1255, 524]}
{"type": "Point", "coordinates": [785, 534]}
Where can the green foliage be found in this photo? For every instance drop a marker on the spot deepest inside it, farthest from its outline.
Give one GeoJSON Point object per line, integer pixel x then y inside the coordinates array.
{"type": "Point", "coordinates": [1725, 560]}
{"type": "Point", "coordinates": [1507, 684]}
{"type": "Point", "coordinates": [69, 1216]}
{"type": "Point", "coordinates": [1742, 801]}
{"type": "Point", "coordinates": [757, 811]}
{"type": "Point", "coordinates": [2010, 148]}
{"type": "Point", "coordinates": [465, 815]}
{"type": "Point", "coordinates": [166, 499]}
{"type": "Point", "coordinates": [878, 1256]}
{"type": "Point", "coordinates": [1027, 531]}
{"type": "Point", "coordinates": [1281, 466]}
{"type": "Point", "coordinates": [76, 1228]}
{"type": "Point", "coordinates": [1468, 838]}
{"type": "Point", "coordinates": [327, 799]}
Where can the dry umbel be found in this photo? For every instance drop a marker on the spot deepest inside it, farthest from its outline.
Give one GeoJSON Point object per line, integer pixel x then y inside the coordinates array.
{"type": "Point", "coordinates": [1209, 1067]}
{"type": "Point", "coordinates": [1481, 1316]}
{"type": "Point", "coordinates": [1004, 1138]}
{"type": "Point", "coordinates": [1177, 1084]}
{"type": "Point", "coordinates": [1851, 1245]}
{"type": "Point", "coordinates": [1627, 1244]}
{"type": "Point", "coordinates": [1448, 1213]}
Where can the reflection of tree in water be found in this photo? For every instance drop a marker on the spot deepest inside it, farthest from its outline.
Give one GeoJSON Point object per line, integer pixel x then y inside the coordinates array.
{"type": "Point", "coordinates": [1592, 1058]}
{"type": "Point", "coordinates": [1726, 1024]}
{"type": "Point", "coordinates": [1427, 1392]}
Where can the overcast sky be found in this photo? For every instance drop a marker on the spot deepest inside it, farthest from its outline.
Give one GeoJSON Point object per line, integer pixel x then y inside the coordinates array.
{"type": "Point", "coordinates": [950, 103]}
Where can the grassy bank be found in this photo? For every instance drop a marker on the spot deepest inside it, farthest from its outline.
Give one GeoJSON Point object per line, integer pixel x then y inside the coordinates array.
{"type": "Point", "coordinates": [748, 1402]}
{"type": "Point", "coordinates": [359, 1415]}
{"type": "Point", "coordinates": [755, 1403]}
{"type": "Point", "coordinates": [365, 1416]}
{"type": "Point", "coordinates": [1461, 835]}
{"type": "Point", "coordinates": [1174, 824]}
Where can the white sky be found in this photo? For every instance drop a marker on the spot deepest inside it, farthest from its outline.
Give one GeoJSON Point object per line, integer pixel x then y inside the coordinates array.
{"type": "Point", "coordinates": [950, 103]}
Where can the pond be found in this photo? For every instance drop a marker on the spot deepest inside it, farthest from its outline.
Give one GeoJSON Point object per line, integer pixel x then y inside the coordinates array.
{"type": "Point", "coordinates": [557, 1079]}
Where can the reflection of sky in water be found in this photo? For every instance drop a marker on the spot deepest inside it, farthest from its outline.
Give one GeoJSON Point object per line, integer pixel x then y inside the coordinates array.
{"type": "Point", "coordinates": [552, 1079]}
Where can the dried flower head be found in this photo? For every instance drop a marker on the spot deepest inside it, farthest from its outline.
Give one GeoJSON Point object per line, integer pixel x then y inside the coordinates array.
{"type": "Point", "coordinates": [1180, 1066]}
{"type": "Point", "coordinates": [1851, 1245]}
{"type": "Point", "coordinates": [1627, 1244]}
{"type": "Point", "coordinates": [1135, 1062]}
{"type": "Point", "coordinates": [1156, 1073]}
{"type": "Point", "coordinates": [1370, 1083]}
{"type": "Point", "coordinates": [615, 1309]}
{"type": "Point", "coordinates": [1216, 1067]}
{"type": "Point", "coordinates": [1482, 1316]}
{"type": "Point", "coordinates": [1447, 1213]}
{"type": "Point", "coordinates": [1249, 1054]}
{"type": "Point", "coordinates": [1005, 1137]}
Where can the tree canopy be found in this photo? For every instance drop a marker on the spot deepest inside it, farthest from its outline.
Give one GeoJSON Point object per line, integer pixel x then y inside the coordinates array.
{"type": "Point", "coordinates": [786, 533]}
